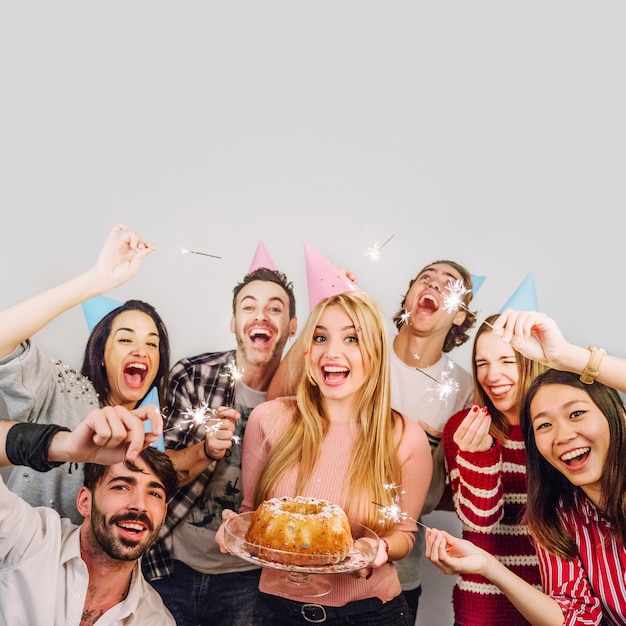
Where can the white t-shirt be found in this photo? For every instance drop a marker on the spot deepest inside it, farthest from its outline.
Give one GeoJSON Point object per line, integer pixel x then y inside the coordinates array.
{"type": "Point", "coordinates": [429, 396]}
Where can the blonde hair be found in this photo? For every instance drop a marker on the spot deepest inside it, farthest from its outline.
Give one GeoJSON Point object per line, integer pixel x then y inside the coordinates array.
{"type": "Point", "coordinates": [374, 462]}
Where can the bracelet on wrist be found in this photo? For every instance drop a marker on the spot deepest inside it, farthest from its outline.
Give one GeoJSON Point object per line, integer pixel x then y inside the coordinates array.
{"type": "Point", "coordinates": [206, 452]}
{"type": "Point", "coordinates": [386, 543]}
{"type": "Point", "coordinates": [591, 370]}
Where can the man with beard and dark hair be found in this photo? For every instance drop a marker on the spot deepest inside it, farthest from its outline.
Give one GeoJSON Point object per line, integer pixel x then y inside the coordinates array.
{"type": "Point", "coordinates": [54, 572]}
{"type": "Point", "coordinates": [197, 582]}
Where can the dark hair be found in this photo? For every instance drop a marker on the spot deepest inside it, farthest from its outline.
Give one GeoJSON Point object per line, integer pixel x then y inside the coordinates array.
{"type": "Point", "coordinates": [550, 494]}
{"type": "Point", "coordinates": [157, 461]}
{"type": "Point", "coordinates": [267, 275]}
{"type": "Point", "coordinates": [527, 369]}
{"type": "Point", "coordinates": [457, 335]}
{"type": "Point", "coordinates": [94, 350]}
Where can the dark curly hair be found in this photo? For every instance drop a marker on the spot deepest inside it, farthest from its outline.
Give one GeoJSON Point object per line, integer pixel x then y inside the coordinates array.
{"type": "Point", "coordinates": [457, 335]}
{"type": "Point", "coordinates": [157, 461]}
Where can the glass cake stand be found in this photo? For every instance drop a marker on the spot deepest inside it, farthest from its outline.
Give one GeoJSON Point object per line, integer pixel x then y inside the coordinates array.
{"type": "Point", "coordinates": [306, 578]}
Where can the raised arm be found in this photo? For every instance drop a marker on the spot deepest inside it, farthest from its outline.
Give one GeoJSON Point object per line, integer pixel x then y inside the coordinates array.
{"type": "Point", "coordinates": [538, 337]}
{"type": "Point", "coordinates": [119, 260]}
{"type": "Point", "coordinates": [106, 436]}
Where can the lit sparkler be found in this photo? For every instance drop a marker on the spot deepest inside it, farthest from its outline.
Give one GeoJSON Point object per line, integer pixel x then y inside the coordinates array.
{"type": "Point", "coordinates": [374, 252]}
{"type": "Point", "coordinates": [445, 387]}
{"type": "Point", "coordinates": [213, 256]}
{"type": "Point", "coordinates": [202, 416]}
{"type": "Point", "coordinates": [233, 372]}
{"type": "Point", "coordinates": [404, 318]}
{"type": "Point", "coordinates": [453, 300]}
{"type": "Point", "coordinates": [393, 511]}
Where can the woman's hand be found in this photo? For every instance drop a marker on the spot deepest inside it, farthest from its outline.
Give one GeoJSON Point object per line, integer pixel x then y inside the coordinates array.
{"type": "Point", "coordinates": [534, 334]}
{"type": "Point", "coordinates": [121, 256]}
{"type": "Point", "coordinates": [472, 435]}
{"type": "Point", "coordinates": [455, 556]}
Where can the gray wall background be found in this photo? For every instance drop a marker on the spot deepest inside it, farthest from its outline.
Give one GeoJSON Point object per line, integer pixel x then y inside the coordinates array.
{"type": "Point", "coordinates": [487, 132]}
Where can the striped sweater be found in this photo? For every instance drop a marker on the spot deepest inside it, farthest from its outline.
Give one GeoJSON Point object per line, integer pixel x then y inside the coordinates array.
{"type": "Point", "coordinates": [489, 491]}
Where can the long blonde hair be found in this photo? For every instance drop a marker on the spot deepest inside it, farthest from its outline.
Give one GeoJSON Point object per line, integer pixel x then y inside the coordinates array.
{"type": "Point", "coordinates": [374, 463]}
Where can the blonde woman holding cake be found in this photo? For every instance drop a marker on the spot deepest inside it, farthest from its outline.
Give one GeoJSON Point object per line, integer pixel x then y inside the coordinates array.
{"type": "Point", "coordinates": [339, 440]}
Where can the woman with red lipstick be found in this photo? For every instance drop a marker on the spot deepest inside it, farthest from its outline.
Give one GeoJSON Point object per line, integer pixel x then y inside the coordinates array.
{"type": "Point", "coordinates": [575, 435]}
{"type": "Point", "coordinates": [126, 355]}
{"type": "Point", "coordinates": [486, 463]}
{"type": "Point", "coordinates": [338, 439]}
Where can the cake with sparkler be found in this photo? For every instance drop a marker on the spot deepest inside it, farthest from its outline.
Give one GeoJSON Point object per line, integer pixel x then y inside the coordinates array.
{"type": "Point", "coordinates": [300, 531]}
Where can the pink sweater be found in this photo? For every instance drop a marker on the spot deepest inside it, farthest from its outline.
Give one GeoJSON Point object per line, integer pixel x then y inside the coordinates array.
{"type": "Point", "coordinates": [329, 481]}
{"type": "Point", "coordinates": [489, 491]}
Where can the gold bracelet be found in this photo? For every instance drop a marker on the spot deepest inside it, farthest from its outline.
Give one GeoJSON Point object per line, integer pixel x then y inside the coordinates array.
{"type": "Point", "coordinates": [591, 371]}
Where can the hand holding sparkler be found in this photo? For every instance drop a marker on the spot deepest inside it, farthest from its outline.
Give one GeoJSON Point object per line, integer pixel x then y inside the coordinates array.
{"type": "Point", "coordinates": [534, 334]}
{"type": "Point", "coordinates": [452, 555]}
{"type": "Point", "coordinates": [219, 435]}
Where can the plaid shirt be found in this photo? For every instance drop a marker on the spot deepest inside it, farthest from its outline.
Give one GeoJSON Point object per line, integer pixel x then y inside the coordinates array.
{"type": "Point", "coordinates": [194, 381]}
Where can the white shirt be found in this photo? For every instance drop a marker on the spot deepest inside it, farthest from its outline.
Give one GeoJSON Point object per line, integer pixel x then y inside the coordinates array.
{"type": "Point", "coordinates": [43, 579]}
{"type": "Point", "coordinates": [415, 394]}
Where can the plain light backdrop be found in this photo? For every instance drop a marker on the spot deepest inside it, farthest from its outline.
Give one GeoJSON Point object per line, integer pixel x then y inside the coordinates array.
{"type": "Point", "coordinates": [491, 133]}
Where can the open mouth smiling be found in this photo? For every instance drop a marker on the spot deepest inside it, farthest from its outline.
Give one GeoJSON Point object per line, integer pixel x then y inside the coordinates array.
{"type": "Point", "coordinates": [335, 373]}
{"type": "Point", "coordinates": [260, 335]}
{"type": "Point", "coordinates": [429, 302]}
{"type": "Point", "coordinates": [573, 457]}
{"type": "Point", "coordinates": [136, 373]}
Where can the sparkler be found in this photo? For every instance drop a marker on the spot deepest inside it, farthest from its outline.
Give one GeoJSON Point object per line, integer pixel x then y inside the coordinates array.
{"type": "Point", "coordinates": [393, 511]}
{"type": "Point", "coordinates": [453, 301]}
{"type": "Point", "coordinates": [185, 251]}
{"type": "Point", "coordinates": [374, 252]}
{"type": "Point", "coordinates": [447, 386]}
{"type": "Point", "coordinates": [233, 372]}
{"type": "Point", "coordinates": [202, 416]}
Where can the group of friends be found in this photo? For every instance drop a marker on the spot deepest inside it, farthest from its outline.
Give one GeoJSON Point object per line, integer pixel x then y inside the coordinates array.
{"type": "Point", "coordinates": [98, 525]}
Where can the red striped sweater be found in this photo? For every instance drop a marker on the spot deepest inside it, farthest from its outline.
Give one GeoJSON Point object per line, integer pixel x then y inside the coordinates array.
{"type": "Point", "coordinates": [489, 490]}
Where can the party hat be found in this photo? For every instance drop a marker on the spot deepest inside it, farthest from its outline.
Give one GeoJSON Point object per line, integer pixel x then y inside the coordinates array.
{"type": "Point", "coordinates": [261, 259]}
{"type": "Point", "coordinates": [524, 298]}
{"type": "Point", "coordinates": [96, 308]}
{"type": "Point", "coordinates": [323, 278]}
{"type": "Point", "coordinates": [477, 282]}
{"type": "Point", "coordinates": [152, 397]}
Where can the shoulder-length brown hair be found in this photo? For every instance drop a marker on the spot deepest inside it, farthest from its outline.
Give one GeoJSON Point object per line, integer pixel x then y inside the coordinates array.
{"type": "Point", "coordinates": [94, 350]}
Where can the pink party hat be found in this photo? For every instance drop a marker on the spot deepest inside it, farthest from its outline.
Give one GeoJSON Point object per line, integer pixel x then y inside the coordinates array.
{"type": "Point", "coordinates": [477, 282]}
{"type": "Point", "coordinates": [524, 298]}
{"type": "Point", "coordinates": [323, 278]}
{"type": "Point", "coordinates": [96, 308]}
{"type": "Point", "coordinates": [261, 259]}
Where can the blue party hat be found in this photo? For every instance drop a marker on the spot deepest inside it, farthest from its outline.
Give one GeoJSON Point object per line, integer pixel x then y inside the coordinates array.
{"type": "Point", "coordinates": [152, 397]}
{"type": "Point", "coordinates": [96, 308]}
{"type": "Point", "coordinates": [477, 282]}
{"type": "Point", "coordinates": [524, 298]}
